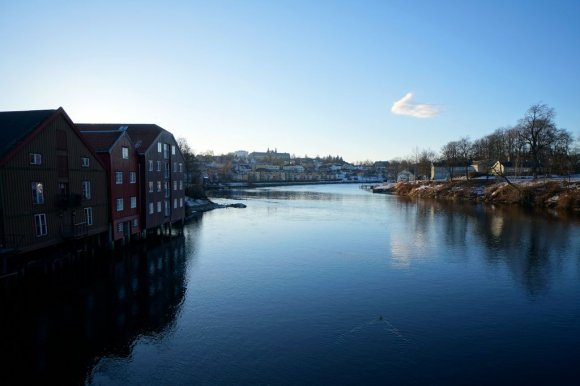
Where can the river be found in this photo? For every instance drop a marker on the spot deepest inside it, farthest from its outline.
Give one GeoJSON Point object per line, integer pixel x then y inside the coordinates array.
{"type": "Point", "coordinates": [313, 285]}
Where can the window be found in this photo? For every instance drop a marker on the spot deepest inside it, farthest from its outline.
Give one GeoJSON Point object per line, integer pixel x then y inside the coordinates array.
{"type": "Point", "coordinates": [158, 206]}
{"type": "Point", "coordinates": [166, 150]}
{"type": "Point", "coordinates": [84, 162]}
{"type": "Point", "coordinates": [167, 170]}
{"type": "Point", "coordinates": [158, 186]}
{"type": "Point", "coordinates": [173, 149]}
{"type": "Point", "coordinates": [132, 177]}
{"type": "Point", "coordinates": [166, 189]}
{"type": "Point", "coordinates": [150, 186]}
{"type": "Point", "coordinates": [35, 159]}
{"type": "Point", "coordinates": [174, 184]}
{"type": "Point", "coordinates": [180, 167]}
{"type": "Point", "coordinates": [175, 166]}
{"type": "Point", "coordinates": [167, 208]}
{"type": "Point", "coordinates": [40, 224]}
{"type": "Point", "coordinates": [175, 203]}
{"type": "Point", "coordinates": [135, 222]}
{"type": "Point", "coordinates": [150, 165]}
{"type": "Point", "coordinates": [86, 190]}
{"type": "Point", "coordinates": [181, 202]}
{"type": "Point", "coordinates": [158, 166]}
{"type": "Point", "coordinates": [151, 208]}
{"type": "Point", "coordinates": [120, 227]}
{"type": "Point", "coordinates": [180, 184]}
{"type": "Point", "coordinates": [118, 178]}
{"type": "Point", "coordinates": [159, 147]}
{"type": "Point", "coordinates": [89, 216]}
{"type": "Point", "coordinates": [119, 204]}
{"type": "Point", "coordinates": [133, 202]}
{"type": "Point", "coordinates": [125, 152]}
{"type": "Point", "coordinates": [37, 193]}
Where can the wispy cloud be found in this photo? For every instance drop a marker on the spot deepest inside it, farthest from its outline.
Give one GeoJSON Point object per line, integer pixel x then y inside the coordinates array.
{"type": "Point", "coordinates": [405, 106]}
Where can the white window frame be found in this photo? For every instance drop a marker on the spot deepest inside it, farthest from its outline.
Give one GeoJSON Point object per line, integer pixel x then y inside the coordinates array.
{"type": "Point", "coordinates": [158, 186]}
{"type": "Point", "coordinates": [124, 152]}
{"type": "Point", "coordinates": [150, 165]}
{"type": "Point", "coordinates": [181, 202]}
{"type": "Point", "coordinates": [158, 166]}
{"type": "Point", "coordinates": [133, 202]}
{"type": "Point", "coordinates": [37, 192]}
{"type": "Point", "coordinates": [151, 207]}
{"type": "Point", "coordinates": [158, 206]}
{"type": "Point", "coordinates": [85, 162]}
{"type": "Point", "coordinates": [89, 215]}
{"type": "Point", "coordinates": [119, 204]}
{"type": "Point", "coordinates": [150, 186]}
{"type": "Point", "coordinates": [35, 159]}
{"type": "Point", "coordinates": [167, 208]}
{"type": "Point", "coordinates": [175, 203]}
{"type": "Point", "coordinates": [173, 149]}
{"type": "Point", "coordinates": [174, 184]}
{"type": "Point", "coordinates": [86, 190]}
{"type": "Point", "coordinates": [118, 178]}
{"type": "Point", "coordinates": [40, 225]}
{"type": "Point", "coordinates": [159, 147]}
{"type": "Point", "coordinates": [132, 177]}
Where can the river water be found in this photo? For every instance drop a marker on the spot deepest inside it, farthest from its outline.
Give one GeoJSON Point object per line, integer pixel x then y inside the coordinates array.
{"type": "Point", "coordinates": [313, 285]}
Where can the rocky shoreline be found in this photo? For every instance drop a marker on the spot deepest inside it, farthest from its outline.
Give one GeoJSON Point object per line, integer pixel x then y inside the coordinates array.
{"type": "Point", "coordinates": [195, 207]}
{"type": "Point", "coordinates": [554, 194]}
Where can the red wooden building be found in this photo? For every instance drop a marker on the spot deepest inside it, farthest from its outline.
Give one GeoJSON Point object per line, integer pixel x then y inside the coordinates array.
{"type": "Point", "coordinates": [117, 152]}
{"type": "Point", "coordinates": [161, 173]}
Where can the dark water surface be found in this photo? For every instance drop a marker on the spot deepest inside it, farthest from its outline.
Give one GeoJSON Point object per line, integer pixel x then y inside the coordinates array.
{"type": "Point", "coordinates": [313, 285]}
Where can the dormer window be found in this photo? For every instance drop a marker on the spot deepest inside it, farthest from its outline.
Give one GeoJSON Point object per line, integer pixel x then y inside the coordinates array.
{"type": "Point", "coordinates": [84, 162]}
{"type": "Point", "coordinates": [125, 152]}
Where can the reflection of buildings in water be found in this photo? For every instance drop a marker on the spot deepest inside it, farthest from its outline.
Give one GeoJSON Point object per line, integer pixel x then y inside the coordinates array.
{"type": "Point", "coordinates": [57, 330]}
{"type": "Point", "coordinates": [529, 243]}
{"type": "Point", "coordinates": [414, 243]}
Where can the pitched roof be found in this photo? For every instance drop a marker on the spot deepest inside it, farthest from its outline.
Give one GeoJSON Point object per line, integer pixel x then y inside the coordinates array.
{"type": "Point", "coordinates": [15, 126]}
{"type": "Point", "coordinates": [143, 135]}
{"type": "Point", "coordinates": [101, 141]}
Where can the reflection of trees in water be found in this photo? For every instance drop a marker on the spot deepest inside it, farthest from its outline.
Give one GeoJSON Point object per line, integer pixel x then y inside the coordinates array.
{"type": "Point", "coordinates": [530, 244]}
{"type": "Point", "coordinates": [56, 328]}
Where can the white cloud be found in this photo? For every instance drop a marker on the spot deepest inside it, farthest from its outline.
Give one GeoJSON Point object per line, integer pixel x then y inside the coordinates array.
{"type": "Point", "coordinates": [404, 106]}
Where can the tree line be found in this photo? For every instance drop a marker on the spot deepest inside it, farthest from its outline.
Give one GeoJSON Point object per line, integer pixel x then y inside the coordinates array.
{"type": "Point", "coordinates": [534, 143]}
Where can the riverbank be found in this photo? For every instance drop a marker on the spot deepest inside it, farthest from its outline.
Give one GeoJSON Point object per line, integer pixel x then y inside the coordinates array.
{"type": "Point", "coordinates": [195, 207]}
{"type": "Point", "coordinates": [555, 194]}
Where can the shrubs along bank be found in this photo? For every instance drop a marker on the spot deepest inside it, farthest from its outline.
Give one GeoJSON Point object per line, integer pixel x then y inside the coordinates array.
{"type": "Point", "coordinates": [562, 194]}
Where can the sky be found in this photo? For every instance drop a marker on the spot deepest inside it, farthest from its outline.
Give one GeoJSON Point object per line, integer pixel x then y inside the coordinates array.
{"type": "Point", "coordinates": [366, 80]}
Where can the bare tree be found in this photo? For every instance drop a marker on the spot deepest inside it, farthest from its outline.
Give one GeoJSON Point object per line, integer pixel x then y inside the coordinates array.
{"type": "Point", "coordinates": [450, 156]}
{"type": "Point", "coordinates": [464, 149]}
{"type": "Point", "coordinates": [538, 131]}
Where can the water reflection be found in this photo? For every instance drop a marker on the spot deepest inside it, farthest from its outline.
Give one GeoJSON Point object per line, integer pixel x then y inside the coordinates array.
{"type": "Point", "coordinates": [530, 244]}
{"type": "Point", "coordinates": [54, 329]}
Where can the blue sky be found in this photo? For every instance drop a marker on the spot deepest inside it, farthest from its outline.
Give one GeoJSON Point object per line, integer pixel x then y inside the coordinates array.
{"type": "Point", "coordinates": [368, 80]}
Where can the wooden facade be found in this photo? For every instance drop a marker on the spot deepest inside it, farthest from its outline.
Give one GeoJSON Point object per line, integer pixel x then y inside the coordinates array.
{"type": "Point", "coordinates": [163, 173]}
{"type": "Point", "coordinates": [121, 161]}
{"type": "Point", "coordinates": [53, 188]}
